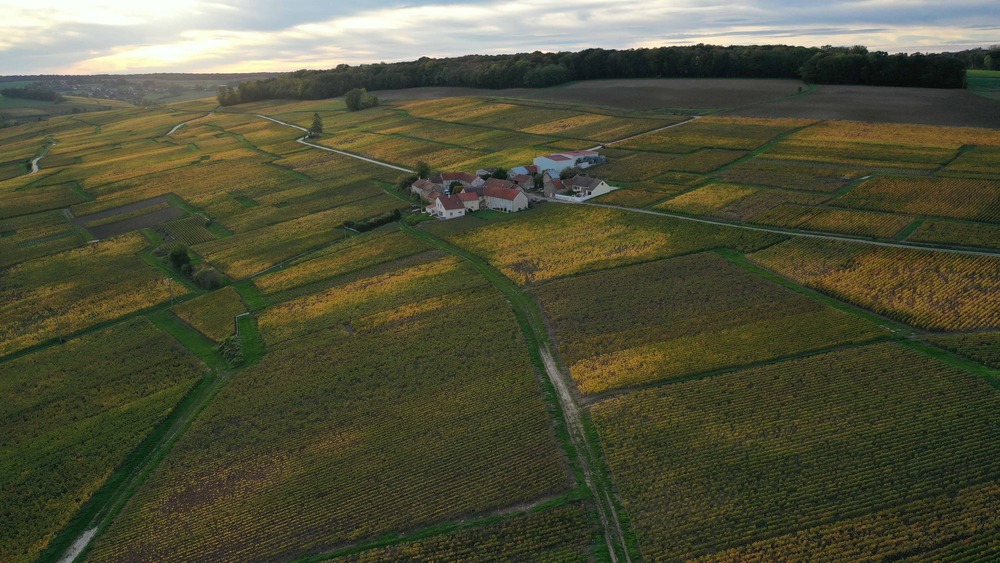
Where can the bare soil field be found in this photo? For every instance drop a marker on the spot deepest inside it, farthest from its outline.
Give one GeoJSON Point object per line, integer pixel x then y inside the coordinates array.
{"type": "Point", "coordinates": [925, 106]}
{"type": "Point", "coordinates": [632, 94]}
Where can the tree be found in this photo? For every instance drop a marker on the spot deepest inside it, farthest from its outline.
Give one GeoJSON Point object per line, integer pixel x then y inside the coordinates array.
{"type": "Point", "coordinates": [569, 173]}
{"type": "Point", "coordinates": [179, 257]}
{"type": "Point", "coordinates": [358, 99]}
{"type": "Point", "coordinates": [423, 169]}
{"type": "Point", "coordinates": [500, 173]}
{"type": "Point", "coordinates": [456, 187]}
{"type": "Point", "coordinates": [317, 126]}
{"type": "Point", "coordinates": [539, 181]}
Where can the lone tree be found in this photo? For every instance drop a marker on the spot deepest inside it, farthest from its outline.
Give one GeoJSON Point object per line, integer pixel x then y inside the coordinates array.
{"type": "Point", "coordinates": [423, 169]}
{"type": "Point", "coordinates": [358, 98]}
{"type": "Point", "coordinates": [317, 126]}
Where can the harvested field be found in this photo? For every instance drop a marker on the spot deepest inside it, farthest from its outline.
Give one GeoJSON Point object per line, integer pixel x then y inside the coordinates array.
{"type": "Point", "coordinates": [927, 106]}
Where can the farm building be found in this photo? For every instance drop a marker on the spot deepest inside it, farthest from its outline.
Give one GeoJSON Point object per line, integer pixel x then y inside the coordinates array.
{"type": "Point", "coordinates": [556, 163]}
{"type": "Point", "coordinates": [467, 179]}
{"type": "Point", "coordinates": [447, 207]}
{"type": "Point", "coordinates": [505, 199]}
{"type": "Point", "coordinates": [470, 200]}
{"type": "Point", "coordinates": [585, 186]}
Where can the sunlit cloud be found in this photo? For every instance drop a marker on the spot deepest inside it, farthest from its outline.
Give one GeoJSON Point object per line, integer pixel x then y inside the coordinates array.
{"type": "Point", "coordinates": [100, 36]}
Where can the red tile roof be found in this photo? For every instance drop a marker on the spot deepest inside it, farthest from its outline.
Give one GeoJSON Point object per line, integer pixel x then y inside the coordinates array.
{"type": "Point", "coordinates": [468, 196]}
{"type": "Point", "coordinates": [451, 203]}
{"type": "Point", "coordinates": [521, 178]}
{"type": "Point", "coordinates": [433, 195]}
{"type": "Point", "coordinates": [498, 183]}
{"type": "Point", "coordinates": [503, 193]}
{"type": "Point", "coordinates": [532, 168]}
{"type": "Point", "coordinates": [558, 157]}
{"type": "Point", "coordinates": [458, 176]}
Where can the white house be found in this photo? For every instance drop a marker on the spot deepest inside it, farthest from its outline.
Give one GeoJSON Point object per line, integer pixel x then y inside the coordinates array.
{"type": "Point", "coordinates": [584, 186]}
{"type": "Point", "coordinates": [505, 199]}
{"type": "Point", "coordinates": [447, 207]}
{"type": "Point", "coordinates": [470, 200]}
{"type": "Point", "coordinates": [556, 163]}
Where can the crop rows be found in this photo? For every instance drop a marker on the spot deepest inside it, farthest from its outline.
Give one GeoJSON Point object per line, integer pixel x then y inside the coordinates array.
{"type": "Point", "coordinates": [632, 197]}
{"type": "Point", "coordinates": [31, 236]}
{"type": "Point", "coordinates": [737, 133]}
{"type": "Point", "coordinates": [57, 295]}
{"type": "Point", "coordinates": [399, 150]}
{"type": "Point", "coordinates": [382, 427]}
{"type": "Point", "coordinates": [856, 154]}
{"type": "Point", "coordinates": [983, 160]}
{"type": "Point", "coordinates": [790, 176]}
{"type": "Point", "coordinates": [561, 534]}
{"type": "Point", "coordinates": [983, 347]}
{"type": "Point", "coordinates": [844, 221]}
{"type": "Point", "coordinates": [70, 415]}
{"type": "Point", "coordinates": [188, 231]}
{"type": "Point", "coordinates": [704, 469]}
{"type": "Point", "coordinates": [975, 200]}
{"type": "Point", "coordinates": [963, 234]}
{"type": "Point", "coordinates": [941, 528]}
{"type": "Point", "coordinates": [244, 254]}
{"type": "Point", "coordinates": [24, 201]}
{"type": "Point", "coordinates": [212, 314]}
{"type": "Point", "coordinates": [686, 315]}
{"type": "Point", "coordinates": [931, 290]}
{"type": "Point", "coordinates": [352, 254]}
{"type": "Point", "coordinates": [704, 161]}
{"type": "Point", "coordinates": [551, 243]}
{"type": "Point", "coordinates": [636, 167]}
{"type": "Point", "coordinates": [877, 135]}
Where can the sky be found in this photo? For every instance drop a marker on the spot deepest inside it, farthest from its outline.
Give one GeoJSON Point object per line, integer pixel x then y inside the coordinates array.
{"type": "Point", "coordinates": [140, 36]}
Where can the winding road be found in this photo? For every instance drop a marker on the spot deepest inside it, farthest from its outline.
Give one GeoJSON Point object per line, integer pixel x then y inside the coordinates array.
{"type": "Point", "coordinates": [34, 161]}
{"type": "Point", "coordinates": [303, 141]}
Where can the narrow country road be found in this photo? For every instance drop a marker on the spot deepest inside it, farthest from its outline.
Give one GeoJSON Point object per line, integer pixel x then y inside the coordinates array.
{"type": "Point", "coordinates": [303, 141]}
{"type": "Point", "coordinates": [537, 336]}
{"type": "Point", "coordinates": [807, 234]}
{"type": "Point", "coordinates": [34, 161]}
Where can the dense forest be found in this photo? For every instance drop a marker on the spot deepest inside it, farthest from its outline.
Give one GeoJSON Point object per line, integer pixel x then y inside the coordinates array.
{"type": "Point", "coordinates": [827, 65]}
{"type": "Point", "coordinates": [33, 92]}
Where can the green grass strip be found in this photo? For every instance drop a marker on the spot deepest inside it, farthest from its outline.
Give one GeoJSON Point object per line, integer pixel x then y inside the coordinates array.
{"type": "Point", "coordinates": [194, 341]}
{"type": "Point", "coordinates": [250, 340]}
{"type": "Point", "coordinates": [252, 297]}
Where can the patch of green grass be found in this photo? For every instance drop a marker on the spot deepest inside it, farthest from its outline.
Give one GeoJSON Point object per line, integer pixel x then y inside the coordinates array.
{"type": "Point", "coordinates": [191, 339]}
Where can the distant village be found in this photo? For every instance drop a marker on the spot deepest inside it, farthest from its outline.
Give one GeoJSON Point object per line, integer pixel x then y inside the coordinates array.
{"type": "Point", "coordinates": [451, 195]}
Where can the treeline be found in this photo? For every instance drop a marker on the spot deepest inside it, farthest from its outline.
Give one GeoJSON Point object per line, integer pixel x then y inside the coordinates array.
{"type": "Point", "coordinates": [34, 92]}
{"type": "Point", "coordinates": [537, 70]}
{"type": "Point", "coordinates": [856, 65]}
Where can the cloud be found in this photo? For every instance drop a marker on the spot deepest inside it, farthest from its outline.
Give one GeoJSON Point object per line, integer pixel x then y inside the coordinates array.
{"type": "Point", "coordinates": [96, 36]}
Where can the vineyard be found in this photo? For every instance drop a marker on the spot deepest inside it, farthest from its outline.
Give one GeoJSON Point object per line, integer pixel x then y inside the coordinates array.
{"type": "Point", "coordinates": [682, 316]}
{"type": "Point", "coordinates": [311, 273]}
{"type": "Point", "coordinates": [932, 290]}
{"type": "Point", "coordinates": [562, 534]}
{"type": "Point", "coordinates": [381, 429]}
{"type": "Point", "coordinates": [556, 242]}
{"type": "Point", "coordinates": [212, 314]}
{"type": "Point", "coordinates": [856, 448]}
{"type": "Point", "coordinates": [975, 200]}
{"type": "Point", "coordinates": [69, 421]}
{"type": "Point", "coordinates": [716, 391]}
{"type": "Point", "coordinates": [961, 234]}
{"type": "Point", "coordinates": [57, 295]}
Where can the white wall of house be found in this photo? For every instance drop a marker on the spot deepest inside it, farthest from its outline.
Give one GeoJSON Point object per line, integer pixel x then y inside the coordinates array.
{"type": "Point", "coordinates": [509, 205]}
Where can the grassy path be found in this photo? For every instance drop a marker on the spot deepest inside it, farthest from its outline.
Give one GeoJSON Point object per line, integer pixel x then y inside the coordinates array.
{"type": "Point", "coordinates": [621, 544]}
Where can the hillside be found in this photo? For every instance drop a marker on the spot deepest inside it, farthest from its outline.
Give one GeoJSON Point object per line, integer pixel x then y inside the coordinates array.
{"type": "Point", "coordinates": [777, 339]}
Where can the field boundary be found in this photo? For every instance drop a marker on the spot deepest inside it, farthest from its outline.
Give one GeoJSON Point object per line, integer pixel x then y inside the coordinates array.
{"type": "Point", "coordinates": [594, 472]}
{"type": "Point", "coordinates": [786, 232]}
